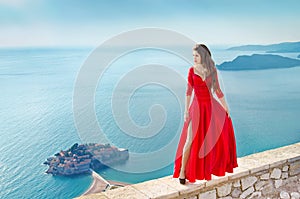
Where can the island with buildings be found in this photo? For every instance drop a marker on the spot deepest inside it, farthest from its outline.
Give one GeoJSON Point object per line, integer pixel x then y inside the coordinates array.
{"type": "Point", "coordinates": [85, 158]}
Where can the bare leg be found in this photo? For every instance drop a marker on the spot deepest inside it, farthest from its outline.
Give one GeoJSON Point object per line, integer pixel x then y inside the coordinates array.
{"type": "Point", "coordinates": [186, 151]}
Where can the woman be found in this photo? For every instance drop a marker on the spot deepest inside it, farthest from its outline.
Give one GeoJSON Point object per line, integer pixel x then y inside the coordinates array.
{"type": "Point", "coordinates": [207, 143]}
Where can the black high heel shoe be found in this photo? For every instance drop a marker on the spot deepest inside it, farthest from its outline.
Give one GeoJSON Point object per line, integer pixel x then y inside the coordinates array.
{"type": "Point", "coordinates": [182, 180]}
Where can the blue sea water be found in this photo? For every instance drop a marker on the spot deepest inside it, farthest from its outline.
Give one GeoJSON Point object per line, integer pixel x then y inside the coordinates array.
{"type": "Point", "coordinates": [36, 114]}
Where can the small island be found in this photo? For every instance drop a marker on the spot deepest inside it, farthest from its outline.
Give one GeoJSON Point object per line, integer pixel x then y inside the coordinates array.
{"type": "Point", "coordinates": [84, 158]}
{"type": "Point", "coordinates": [259, 62]}
{"type": "Point", "coordinates": [298, 56]}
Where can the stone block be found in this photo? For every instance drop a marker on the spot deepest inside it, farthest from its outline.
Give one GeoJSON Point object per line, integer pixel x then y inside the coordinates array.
{"type": "Point", "coordinates": [253, 164]}
{"type": "Point", "coordinates": [284, 195]}
{"type": "Point", "coordinates": [290, 180]}
{"type": "Point", "coordinates": [255, 195]}
{"type": "Point", "coordinates": [93, 196]}
{"type": "Point", "coordinates": [293, 149]}
{"type": "Point", "coordinates": [187, 189]}
{"type": "Point", "coordinates": [236, 192]}
{"type": "Point", "coordinates": [295, 195]}
{"type": "Point", "coordinates": [259, 185]}
{"type": "Point", "coordinates": [248, 182]}
{"type": "Point", "coordinates": [247, 192]}
{"type": "Point", "coordinates": [265, 176]}
{"type": "Point", "coordinates": [273, 158]}
{"type": "Point", "coordinates": [212, 194]}
{"type": "Point", "coordinates": [295, 168]}
{"type": "Point", "coordinates": [224, 190]}
{"type": "Point", "coordinates": [156, 189]}
{"type": "Point", "coordinates": [285, 168]}
{"type": "Point", "coordinates": [278, 183]}
{"type": "Point", "coordinates": [284, 175]}
{"type": "Point", "coordinates": [215, 180]}
{"type": "Point", "coordinates": [276, 173]}
{"type": "Point", "coordinates": [124, 193]}
{"type": "Point", "coordinates": [238, 172]}
{"type": "Point", "coordinates": [294, 159]}
{"type": "Point", "coordinates": [277, 163]}
{"type": "Point", "coordinates": [268, 190]}
{"type": "Point", "coordinates": [237, 183]}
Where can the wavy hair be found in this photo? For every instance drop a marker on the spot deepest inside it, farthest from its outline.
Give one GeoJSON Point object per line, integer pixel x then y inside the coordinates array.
{"type": "Point", "coordinates": [207, 63]}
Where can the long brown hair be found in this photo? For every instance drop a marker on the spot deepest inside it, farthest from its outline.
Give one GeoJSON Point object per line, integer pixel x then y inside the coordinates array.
{"type": "Point", "coordinates": [207, 63]}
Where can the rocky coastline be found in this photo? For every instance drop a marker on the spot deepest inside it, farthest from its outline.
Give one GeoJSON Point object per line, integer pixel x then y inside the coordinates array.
{"type": "Point", "coordinates": [83, 158]}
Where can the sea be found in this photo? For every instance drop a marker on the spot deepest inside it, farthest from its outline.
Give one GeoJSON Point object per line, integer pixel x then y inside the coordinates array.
{"type": "Point", "coordinates": [137, 103]}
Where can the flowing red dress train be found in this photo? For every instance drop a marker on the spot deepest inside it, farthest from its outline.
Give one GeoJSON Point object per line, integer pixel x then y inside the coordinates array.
{"type": "Point", "coordinates": [213, 148]}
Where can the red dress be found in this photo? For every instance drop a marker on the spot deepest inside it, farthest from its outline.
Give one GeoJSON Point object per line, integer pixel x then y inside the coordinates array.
{"type": "Point", "coordinates": [213, 148]}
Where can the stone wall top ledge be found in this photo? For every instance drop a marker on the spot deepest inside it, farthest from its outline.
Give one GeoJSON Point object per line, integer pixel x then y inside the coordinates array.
{"type": "Point", "coordinates": [269, 164]}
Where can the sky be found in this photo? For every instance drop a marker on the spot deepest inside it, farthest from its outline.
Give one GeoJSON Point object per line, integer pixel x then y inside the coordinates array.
{"type": "Point", "coordinates": [91, 22]}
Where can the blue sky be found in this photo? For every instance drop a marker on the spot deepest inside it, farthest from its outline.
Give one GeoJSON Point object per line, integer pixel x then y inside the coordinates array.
{"type": "Point", "coordinates": [90, 22]}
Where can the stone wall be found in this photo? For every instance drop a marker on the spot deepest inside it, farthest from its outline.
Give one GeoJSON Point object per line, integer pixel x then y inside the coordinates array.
{"type": "Point", "coordinates": [270, 174]}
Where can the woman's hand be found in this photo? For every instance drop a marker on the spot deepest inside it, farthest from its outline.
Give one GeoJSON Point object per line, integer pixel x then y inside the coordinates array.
{"type": "Point", "coordinates": [224, 104]}
{"type": "Point", "coordinates": [186, 116]}
{"type": "Point", "coordinates": [226, 109]}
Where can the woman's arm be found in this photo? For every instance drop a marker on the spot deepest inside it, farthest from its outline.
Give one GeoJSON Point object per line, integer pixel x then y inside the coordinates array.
{"type": "Point", "coordinates": [187, 105]}
{"type": "Point", "coordinates": [220, 94]}
{"type": "Point", "coordinates": [224, 104]}
{"type": "Point", "coordinates": [188, 95]}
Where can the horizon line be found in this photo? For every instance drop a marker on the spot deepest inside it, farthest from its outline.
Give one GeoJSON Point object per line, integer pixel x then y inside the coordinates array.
{"type": "Point", "coordinates": [74, 46]}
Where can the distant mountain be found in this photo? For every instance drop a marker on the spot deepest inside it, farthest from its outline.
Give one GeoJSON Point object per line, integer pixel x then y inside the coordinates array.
{"type": "Point", "coordinates": [298, 56]}
{"type": "Point", "coordinates": [259, 62]}
{"type": "Point", "coordinates": [286, 47]}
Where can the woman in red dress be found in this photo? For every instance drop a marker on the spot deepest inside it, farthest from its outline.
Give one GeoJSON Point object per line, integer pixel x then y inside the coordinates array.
{"type": "Point", "coordinates": [207, 143]}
